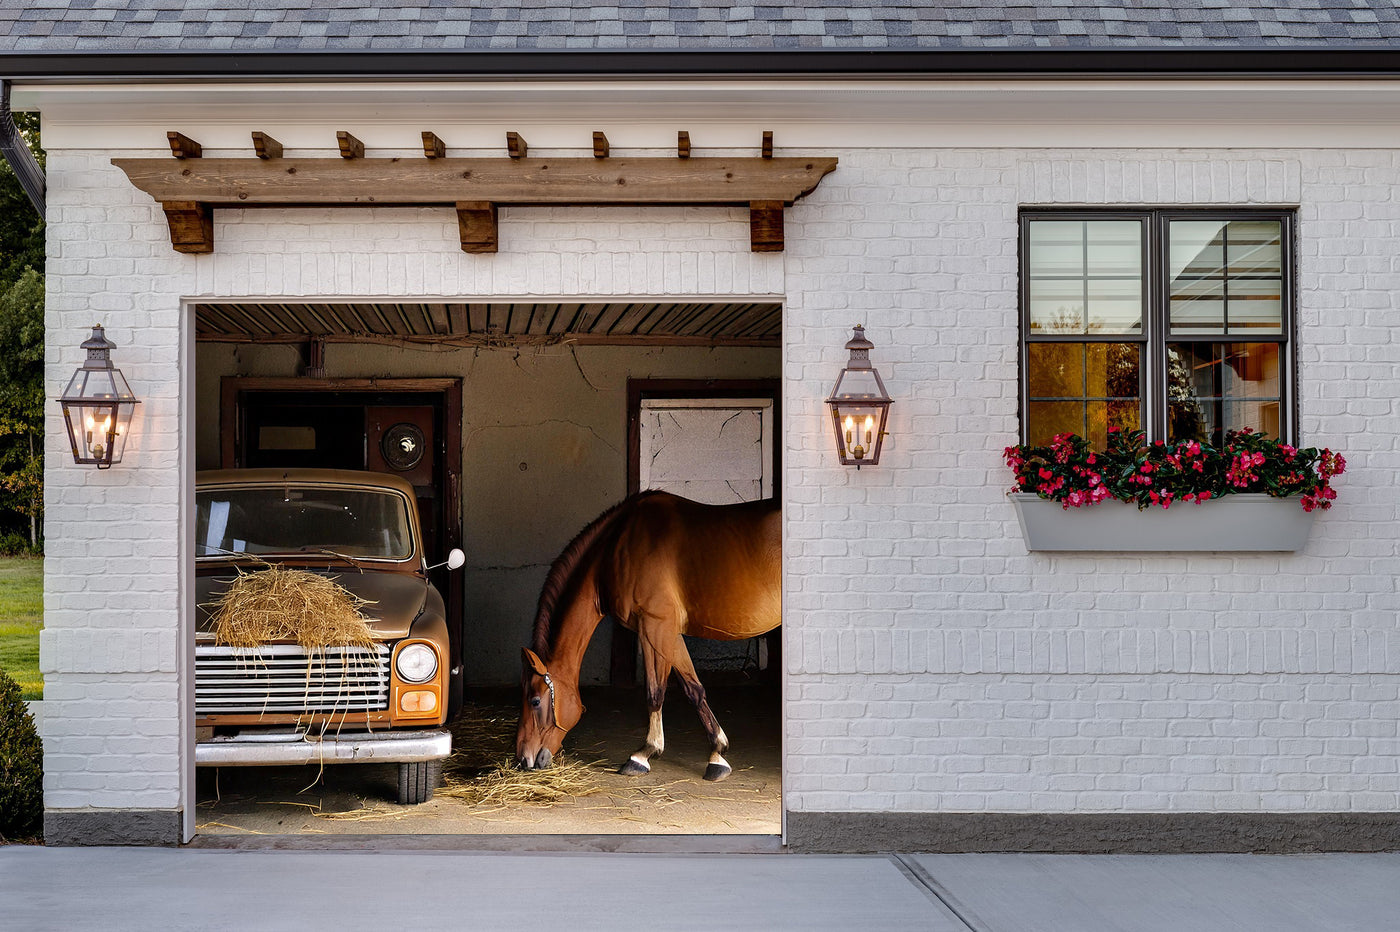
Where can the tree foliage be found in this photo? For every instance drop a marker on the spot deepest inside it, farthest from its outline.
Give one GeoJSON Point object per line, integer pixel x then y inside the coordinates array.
{"type": "Point", "coordinates": [22, 356]}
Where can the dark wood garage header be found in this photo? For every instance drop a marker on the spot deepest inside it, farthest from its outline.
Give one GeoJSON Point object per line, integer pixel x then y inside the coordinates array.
{"type": "Point", "coordinates": [190, 187]}
{"type": "Point", "coordinates": [615, 323]}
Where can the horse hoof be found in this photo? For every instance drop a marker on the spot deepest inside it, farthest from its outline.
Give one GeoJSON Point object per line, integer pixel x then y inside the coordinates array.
{"type": "Point", "coordinates": [633, 768]}
{"type": "Point", "coordinates": [716, 772]}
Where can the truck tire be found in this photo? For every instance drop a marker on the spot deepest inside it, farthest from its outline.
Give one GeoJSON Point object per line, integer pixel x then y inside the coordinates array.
{"type": "Point", "coordinates": [417, 780]}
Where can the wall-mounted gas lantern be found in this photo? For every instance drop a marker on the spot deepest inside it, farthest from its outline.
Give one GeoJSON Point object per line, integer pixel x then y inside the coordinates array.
{"type": "Point", "coordinates": [859, 406]}
{"type": "Point", "coordinates": [97, 406]}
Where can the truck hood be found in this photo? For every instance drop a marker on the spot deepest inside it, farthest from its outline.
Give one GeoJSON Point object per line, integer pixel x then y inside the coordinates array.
{"type": "Point", "coordinates": [395, 599]}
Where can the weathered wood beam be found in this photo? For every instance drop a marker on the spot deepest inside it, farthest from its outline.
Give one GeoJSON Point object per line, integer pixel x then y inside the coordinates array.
{"type": "Point", "coordinates": [493, 339]}
{"type": "Point", "coordinates": [683, 144]}
{"type": "Point", "coordinates": [433, 147]}
{"type": "Point", "coordinates": [265, 146]}
{"type": "Point", "coordinates": [601, 149]}
{"type": "Point", "coordinates": [767, 143]}
{"type": "Point", "coordinates": [191, 226]}
{"type": "Point", "coordinates": [350, 147]}
{"type": "Point", "coordinates": [766, 226]}
{"type": "Point", "coordinates": [476, 222]}
{"type": "Point", "coordinates": [517, 146]}
{"type": "Point", "coordinates": [445, 182]}
{"type": "Point", "coordinates": [183, 147]}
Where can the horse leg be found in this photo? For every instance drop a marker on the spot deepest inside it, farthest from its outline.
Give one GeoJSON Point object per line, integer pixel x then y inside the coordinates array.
{"type": "Point", "coordinates": [658, 671]}
{"type": "Point", "coordinates": [718, 767]}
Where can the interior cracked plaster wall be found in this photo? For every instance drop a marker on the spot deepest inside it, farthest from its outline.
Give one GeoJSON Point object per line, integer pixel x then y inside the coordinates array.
{"type": "Point", "coordinates": [544, 438]}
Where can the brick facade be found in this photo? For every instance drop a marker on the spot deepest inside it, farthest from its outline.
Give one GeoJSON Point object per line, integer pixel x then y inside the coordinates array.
{"type": "Point", "coordinates": [933, 665]}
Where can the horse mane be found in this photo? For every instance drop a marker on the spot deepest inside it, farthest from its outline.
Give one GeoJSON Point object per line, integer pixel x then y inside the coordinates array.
{"type": "Point", "coordinates": [561, 581]}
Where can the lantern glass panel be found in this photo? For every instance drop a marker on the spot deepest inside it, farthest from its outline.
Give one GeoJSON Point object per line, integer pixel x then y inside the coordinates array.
{"type": "Point", "coordinates": [858, 383]}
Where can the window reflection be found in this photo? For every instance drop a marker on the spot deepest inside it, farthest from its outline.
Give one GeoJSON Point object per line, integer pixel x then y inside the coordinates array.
{"type": "Point", "coordinates": [1226, 276]}
{"type": "Point", "coordinates": [1083, 388]}
{"type": "Point", "coordinates": [1085, 276]}
{"type": "Point", "coordinates": [1213, 388]}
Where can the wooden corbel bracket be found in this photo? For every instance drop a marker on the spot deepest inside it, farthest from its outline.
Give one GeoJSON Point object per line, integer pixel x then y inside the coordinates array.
{"type": "Point", "coordinates": [189, 190]}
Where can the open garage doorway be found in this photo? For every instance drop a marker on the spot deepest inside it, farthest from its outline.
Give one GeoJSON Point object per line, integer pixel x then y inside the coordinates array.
{"type": "Point", "coordinates": [522, 423]}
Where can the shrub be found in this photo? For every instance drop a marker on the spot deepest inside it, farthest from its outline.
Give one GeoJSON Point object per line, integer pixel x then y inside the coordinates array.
{"type": "Point", "coordinates": [15, 545]}
{"type": "Point", "coordinates": [1132, 470]}
{"type": "Point", "coordinates": [21, 766]}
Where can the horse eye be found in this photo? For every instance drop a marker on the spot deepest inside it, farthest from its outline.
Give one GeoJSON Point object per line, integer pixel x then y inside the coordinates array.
{"type": "Point", "coordinates": [534, 702]}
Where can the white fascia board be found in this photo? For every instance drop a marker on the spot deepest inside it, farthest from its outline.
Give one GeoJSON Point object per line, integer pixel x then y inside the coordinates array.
{"type": "Point", "coordinates": [472, 116]}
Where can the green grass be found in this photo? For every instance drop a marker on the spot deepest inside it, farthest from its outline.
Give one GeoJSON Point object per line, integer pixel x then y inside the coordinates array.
{"type": "Point", "coordinates": [21, 618]}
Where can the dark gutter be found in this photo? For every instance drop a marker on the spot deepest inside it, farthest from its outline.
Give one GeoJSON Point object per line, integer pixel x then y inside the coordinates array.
{"type": "Point", "coordinates": [1330, 61]}
{"type": "Point", "coordinates": [16, 152]}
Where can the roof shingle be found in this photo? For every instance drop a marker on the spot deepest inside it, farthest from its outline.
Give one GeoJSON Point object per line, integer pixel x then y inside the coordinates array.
{"type": "Point", "coordinates": [339, 25]}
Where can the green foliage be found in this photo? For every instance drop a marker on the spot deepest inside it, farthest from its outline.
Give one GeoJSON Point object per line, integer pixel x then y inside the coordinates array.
{"type": "Point", "coordinates": [1147, 474]}
{"type": "Point", "coordinates": [22, 339]}
{"type": "Point", "coordinates": [21, 227]}
{"type": "Point", "coordinates": [21, 620]}
{"type": "Point", "coordinates": [21, 766]}
{"type": "Point", "coordinates": [22, 399]}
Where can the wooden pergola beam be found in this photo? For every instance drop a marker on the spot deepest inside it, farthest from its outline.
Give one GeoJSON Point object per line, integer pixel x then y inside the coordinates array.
{"type": "Point", "coordinates": [376, 182]}
{"type": "Point", "coordinates": [190, 189]}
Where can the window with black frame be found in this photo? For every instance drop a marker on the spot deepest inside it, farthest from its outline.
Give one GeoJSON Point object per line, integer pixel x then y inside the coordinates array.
{"type": "Point", "coordinates": [1175, 322]}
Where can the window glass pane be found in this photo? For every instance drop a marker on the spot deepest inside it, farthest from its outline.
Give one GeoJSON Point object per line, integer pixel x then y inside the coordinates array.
{"type": "Point", "coordinates": [1226, 276]}
{"type": "Point", "coordinates": [1217, 387]}
{"type": "Point", "coordinates": [1082, 388]}
{"type": "Point", "coordinates": [1085, 276]}
{"type": "Point", "coordinates": [1055, 370]}
{"type": "Point", "coordinates": [1057, 305]}
{"type": "Point", "coordinates": [1256, 305]}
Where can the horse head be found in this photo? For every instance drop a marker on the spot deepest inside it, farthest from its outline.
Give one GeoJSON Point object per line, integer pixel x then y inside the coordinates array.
{"type": "Point", "coordinates": [550, 706]}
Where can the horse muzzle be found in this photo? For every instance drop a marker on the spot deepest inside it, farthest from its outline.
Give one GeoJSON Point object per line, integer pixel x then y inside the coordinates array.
{"type": "Point", "coordinates": [539, 762]}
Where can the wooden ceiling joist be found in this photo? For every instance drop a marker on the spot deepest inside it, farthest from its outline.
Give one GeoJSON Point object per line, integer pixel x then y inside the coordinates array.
{"type": "Point", "coordinates": [625, 323]}
{"type": "Point", "coordinates": [190, 190]}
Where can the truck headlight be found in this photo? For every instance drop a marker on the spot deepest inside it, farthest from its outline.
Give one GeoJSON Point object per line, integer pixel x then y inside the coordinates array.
{"type": "Point", "coordinates": [416, 663]}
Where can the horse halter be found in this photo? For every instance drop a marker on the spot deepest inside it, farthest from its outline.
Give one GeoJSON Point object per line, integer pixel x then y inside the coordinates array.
{"type": "Point", "coordinates": [553, 709]}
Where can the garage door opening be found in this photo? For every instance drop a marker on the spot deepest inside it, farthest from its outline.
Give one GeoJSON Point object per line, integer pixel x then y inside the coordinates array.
{"type": "Point", "coordinates": [522, 422]}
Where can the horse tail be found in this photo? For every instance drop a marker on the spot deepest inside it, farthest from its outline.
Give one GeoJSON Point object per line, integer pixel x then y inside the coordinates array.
{"type": "Point", "coordinates": [562, 578]}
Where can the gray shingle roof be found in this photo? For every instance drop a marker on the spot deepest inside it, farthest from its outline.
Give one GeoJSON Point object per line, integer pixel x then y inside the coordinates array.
{"type": "Point", "coordinates": [43, 26]}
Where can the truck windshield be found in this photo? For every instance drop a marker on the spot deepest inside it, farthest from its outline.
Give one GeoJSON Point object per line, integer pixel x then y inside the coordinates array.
{"type": "Point", "coordinates": [302, 519]}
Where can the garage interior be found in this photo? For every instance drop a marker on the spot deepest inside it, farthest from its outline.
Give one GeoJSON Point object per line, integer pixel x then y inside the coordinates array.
{"type": "Point", "coordinates": [540, 416]}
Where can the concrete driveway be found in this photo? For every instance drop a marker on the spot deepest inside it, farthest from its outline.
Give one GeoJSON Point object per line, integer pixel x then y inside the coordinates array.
{"type": "Point", "coordinates": [116, 889]}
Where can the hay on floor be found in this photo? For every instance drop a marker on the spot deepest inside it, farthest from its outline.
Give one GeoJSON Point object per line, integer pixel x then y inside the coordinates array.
{"type": "Point", "coordinates": [280, 604]}
{"type": "Point", "coordinates": [481, 770]}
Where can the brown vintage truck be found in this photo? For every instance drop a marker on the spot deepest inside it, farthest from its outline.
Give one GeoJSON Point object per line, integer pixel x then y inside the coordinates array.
{"type": "Point", "coordinates": [278, 704]}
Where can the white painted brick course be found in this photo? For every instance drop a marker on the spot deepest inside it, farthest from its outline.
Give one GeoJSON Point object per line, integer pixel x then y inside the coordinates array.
{"type": "Point", "coordinates": [932, 663]}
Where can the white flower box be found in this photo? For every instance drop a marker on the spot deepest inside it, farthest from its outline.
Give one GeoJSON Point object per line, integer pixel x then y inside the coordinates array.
{"type": "Point", "coordinates": [1234, 523]}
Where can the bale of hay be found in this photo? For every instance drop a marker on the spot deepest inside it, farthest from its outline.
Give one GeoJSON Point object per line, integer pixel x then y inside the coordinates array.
{"type": "Point", "coordinates": [280, 604]}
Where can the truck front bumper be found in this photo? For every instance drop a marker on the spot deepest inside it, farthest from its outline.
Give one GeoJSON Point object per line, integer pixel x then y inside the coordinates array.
{"type": "Point", "coordinates": [251, 749]}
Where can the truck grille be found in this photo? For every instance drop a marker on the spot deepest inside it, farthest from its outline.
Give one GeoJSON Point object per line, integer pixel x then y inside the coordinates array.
{"type": "Point", "coordinates": [283, 679]}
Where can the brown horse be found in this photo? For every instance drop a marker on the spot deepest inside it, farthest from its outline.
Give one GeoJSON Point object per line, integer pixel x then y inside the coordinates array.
{"type": "Point", "coordinates": [662, 566]}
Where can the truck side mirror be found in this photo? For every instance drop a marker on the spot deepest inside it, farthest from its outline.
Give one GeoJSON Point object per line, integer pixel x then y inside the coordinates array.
{"type": "Point", "coordinates": [456, 559]}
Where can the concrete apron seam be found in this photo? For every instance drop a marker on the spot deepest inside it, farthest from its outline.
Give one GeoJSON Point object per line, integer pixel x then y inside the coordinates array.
{"type": "Point", "coordinates": [938, 893]}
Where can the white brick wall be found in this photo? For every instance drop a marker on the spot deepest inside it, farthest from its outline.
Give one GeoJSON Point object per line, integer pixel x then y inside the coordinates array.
{"type": "Point", "coordinates": [933, 665]}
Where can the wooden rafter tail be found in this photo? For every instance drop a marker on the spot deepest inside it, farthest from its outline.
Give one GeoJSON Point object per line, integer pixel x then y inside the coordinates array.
{"type": "Point", "coordinates": [601, 149]}
{"type": "Point", "coordinates": [191, 226]}
{"type": "Point", "coordinates": [516, 146]}
{"type": "Point", "coordinates": [350, 147]}
{"type": "Point", "coordinates": [767, 143]}
{"type": "Point", "coordinates": [433, 147]}
{"type": "Point", "coordinates": [683, 144]}
{"type": "Point", "coordinates": [477, 223]}
{"type": "Point", "coordinates": [265, 146]}
{"type": "Point", "coordinates": [183, 147]}
{"type": "Point", "coordinates": [766, 226]}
